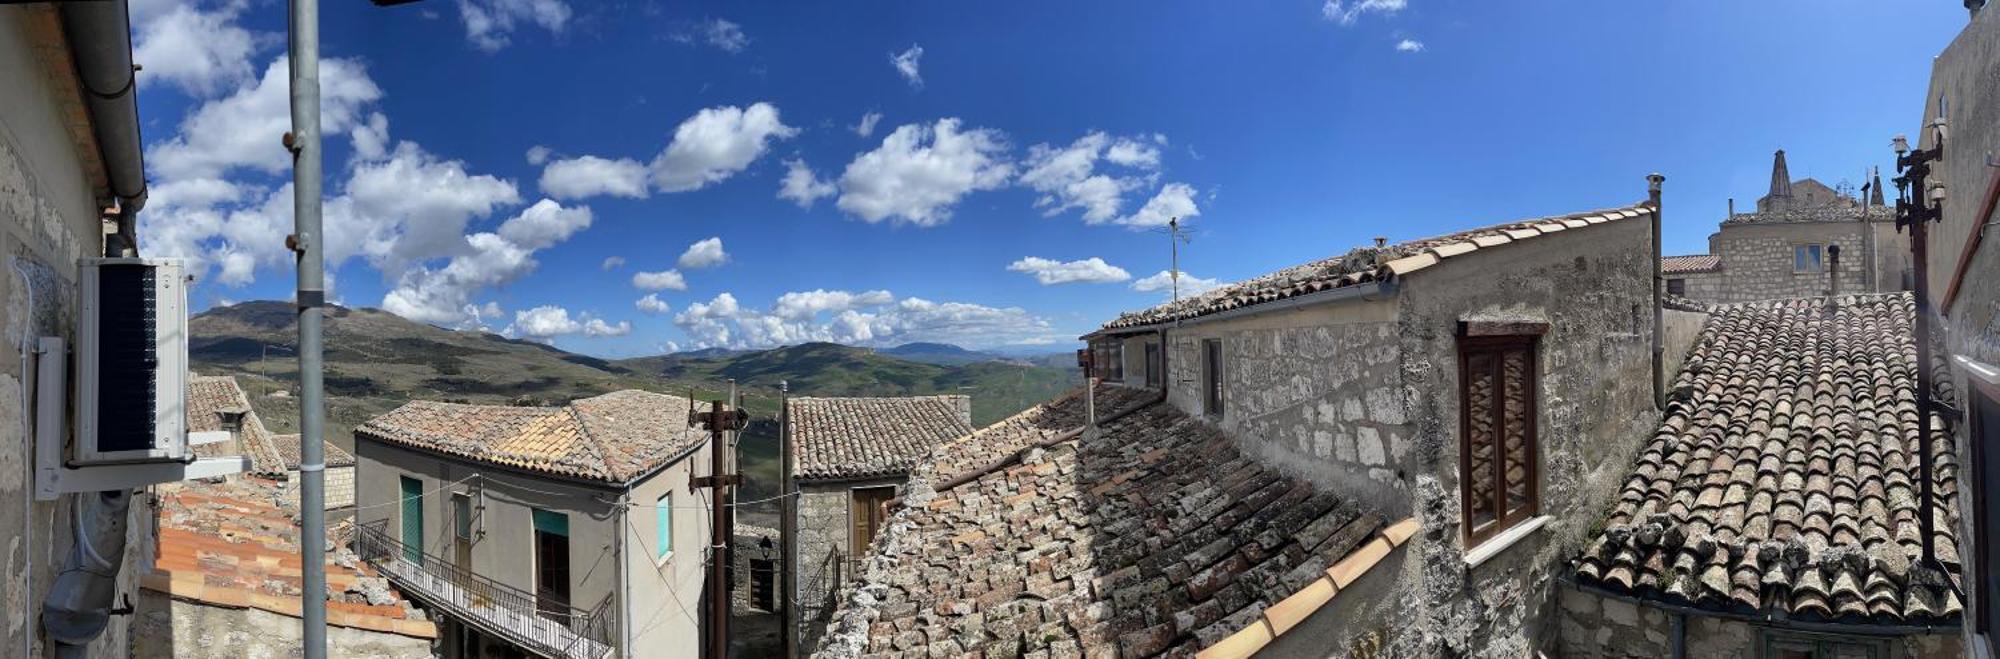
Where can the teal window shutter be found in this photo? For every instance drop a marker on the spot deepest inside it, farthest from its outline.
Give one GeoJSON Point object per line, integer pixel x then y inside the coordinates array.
{"type": "Point", "coordinates": [663, 523]}
{"type": "Point", "coordinates": [552, 523]}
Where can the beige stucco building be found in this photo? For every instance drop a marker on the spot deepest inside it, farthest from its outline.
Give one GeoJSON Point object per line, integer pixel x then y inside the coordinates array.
{"type": "Point", "coordinates": [565, 531]}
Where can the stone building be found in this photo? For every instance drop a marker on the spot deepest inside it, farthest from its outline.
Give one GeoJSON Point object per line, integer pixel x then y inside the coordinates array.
{"type": "Point", "coordinates": [1964, 269]}
{"type": "Point", "coordinates": [850, 456]}
{"type": "Point", "coordinates": [569, 531]}
{"type": "Point", "coordinates": [216, 403]}
{"type": "Point", "coordinates": [66, 156]}
{"type": "Point", "coordinates": [1393, 448]}
{"type": "Point", "coordinates": [1785, 248]}
{"type": "Point", "coordinates": [1775, 512]}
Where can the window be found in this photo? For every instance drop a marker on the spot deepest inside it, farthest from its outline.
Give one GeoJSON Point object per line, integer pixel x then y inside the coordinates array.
{"type": "Point", "coordinates": [1807, 258]}
{"type": "Point", "coordinates": [865, 509]}
{"type": "Point", "coordinates": [1677, 286]}
{"type": "Point", "coordinates": [461, 529]}
{"type": "Point", "coordinates": [1109, 355]}
{"type": "Point", "coordinates": [1497, 451]}
{"type": "Point", "coordinates": [413, 519]}
{"type": "Point", "coordinates": [1211, 376]}
{"type": "Point", "coordinates": [1798, 645]}
{"type": "Point", "coordinates": [1985, 434]}
{"type": "Point", "coordinates": [663, 526]}
{"type": "Point", "coordinates": [1152, 364]}
{"type": "Point", "coordinates": [552, 564]}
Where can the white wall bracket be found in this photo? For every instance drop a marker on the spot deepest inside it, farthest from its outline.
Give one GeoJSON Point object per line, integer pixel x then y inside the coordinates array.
{"type": "Point", "coordinates": [54, 477]}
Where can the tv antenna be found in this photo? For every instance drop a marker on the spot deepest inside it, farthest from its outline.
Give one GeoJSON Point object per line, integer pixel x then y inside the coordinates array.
{"type": "Point", "coordinates": [1175, 236]}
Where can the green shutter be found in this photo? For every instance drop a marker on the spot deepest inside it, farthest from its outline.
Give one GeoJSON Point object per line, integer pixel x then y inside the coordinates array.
{"type": "Point", "coordinates": [413, 519]}
{"type": "Point", "coordinates": [663, 535]}
{"type": "Point", "coordinates": [552, 523]}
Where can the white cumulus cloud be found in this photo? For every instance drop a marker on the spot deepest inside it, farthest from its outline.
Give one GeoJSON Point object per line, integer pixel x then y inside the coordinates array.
{"type": "Point", "coordinates": [908, 64]}
{"type": "Point", "coordinates": [242, 130]}
{"type": "Point", "coordinates": [612, 263]}
{"type": "Point", "coordinates": [198, 51]}
{"type": "Point", "coordinates": [866, 126]}
{"type": "Point", "coordinates": [660, 281]}
{"type": "Point", "coordinates": [715, 144]}
{"type": "Point", "coordinates": [490, 23]}
{"type": "Point", "coordinates": [873, 318]}
{"type": "Point", "coordinates": [1409, 46]}
{"type": "Point", "coordinates": [1164, 283]}
{"type": "Point", "coordinates": [1067, 178]}
{"type": "Point", "coordinates": [1092, 270]}
{"type": "Point", "coordinates": [919, 172]}
{"type": "Point", "coordinates": [652, 304]}
{"type": "Point", "coordinates": [538, 154]}
{"type": "Point", "coordinates": [1174, 200]}
{"type": "Point", "coordinates": [802, 186]}
{"type": "Point", "coordinates": [597, 327]}
{"type": "Point", "coordinates": [589, 176]}
{"type": "Point", "coordinates": [1346, 12]}
{"type": "Point", "coordinates": [726, 35]}
{"type": "Point", "coordinates": [703, 254]}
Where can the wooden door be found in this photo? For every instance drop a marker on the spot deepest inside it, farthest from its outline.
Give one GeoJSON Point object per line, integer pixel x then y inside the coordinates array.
{"type": "Point", "coordinates": [865, 509]}
{"type": "Point", "coordinates": [552, 564]}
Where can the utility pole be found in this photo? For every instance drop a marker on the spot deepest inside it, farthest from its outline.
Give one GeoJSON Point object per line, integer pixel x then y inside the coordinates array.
{"type": "Point", "coordinates": [721, 421]}
{"type": "Point", "coordinates": [787, 525]}
{"type": "Point", "coordinates": [1174, 240]}
{"type": "Point", "coordinates": [306, 241]}
{"type": "Point", "coordinates": [1914, 214]}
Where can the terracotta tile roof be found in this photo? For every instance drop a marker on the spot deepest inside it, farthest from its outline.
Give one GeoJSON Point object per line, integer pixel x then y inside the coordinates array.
{"type": "Point", "coordinates": [235, 543]}
{"type": "Point", "coordinates": [288, 450]}
{"type": "Point", "coordinates": [1152, 536]}
{"type": "Point", "coordinates": [1028, 427]}
{"type": "Point", "coordinates": [1678, 265]}
{"type": "Point", "coordinates": [869, 437]}
{"type": "Point", "coordinates": [1783, 479]}
{"type": "Point", "coordinates": [1366, 264]}
{"type": "Point", "coordinates": [611, 438]}
{"type": "Point", "coordinates": [211, 398]}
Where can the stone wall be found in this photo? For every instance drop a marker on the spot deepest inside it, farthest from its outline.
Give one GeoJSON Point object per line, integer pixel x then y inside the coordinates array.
{"type": "Point", "coordinates": [1595, 626]}
{"type": "Point", "coordinates": [1704, 286]}
{"type": "Point", "coordinates": [824, 525]}
{"type": "Point", "coordinates": [1757, 260]}
{"type": "Point", "coordinates": [48, 219]}
{"type": "Point", "coordinates": [1315, 392]}
{"type": "Point", "coordinates": [1593, 288]}
{"type": "Point", "coordinates": [750, 548]}
{"type": "Point", "coordinates": [1962, 77]}
{"type": "Point", "coordinates": [168, 628]}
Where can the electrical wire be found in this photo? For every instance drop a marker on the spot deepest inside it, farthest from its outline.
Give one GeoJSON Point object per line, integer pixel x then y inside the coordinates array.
{"type": "Point", "coordinates": [673, 592]}
{"type": "Point", "coordinates": [400, 498]}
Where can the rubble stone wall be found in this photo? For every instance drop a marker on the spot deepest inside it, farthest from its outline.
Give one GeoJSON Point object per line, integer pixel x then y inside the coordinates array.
{"type": "Point", "coordinates": [1598, 627]}
{"type": "Point", "coordinates": [169, 628]}
{"type": "Point", "coordinates": [1757, 260]}
{"type": "Point", "coordinates": [825, 525]}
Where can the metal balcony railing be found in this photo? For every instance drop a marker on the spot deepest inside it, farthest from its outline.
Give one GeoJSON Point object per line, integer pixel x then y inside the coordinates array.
{"type": "Point", "coordinates": [509, 613]}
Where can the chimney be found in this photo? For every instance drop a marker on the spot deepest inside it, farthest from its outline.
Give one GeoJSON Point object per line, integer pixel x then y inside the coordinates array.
{"type": "Point", "coordinates": [1833, 272]}
{"type": "Point", "coordinates": [1732, 208]}
{"type": "Point", "coordinates": [1781, 177]}
{"type": "Point", "coordinates": [1381, 242]}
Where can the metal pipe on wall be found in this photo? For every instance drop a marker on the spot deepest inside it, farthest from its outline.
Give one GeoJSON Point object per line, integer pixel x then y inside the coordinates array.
{"type": "Point", "coordinates": [1653, 182]}
{"type": "Point", "coordinates": [788, 524]}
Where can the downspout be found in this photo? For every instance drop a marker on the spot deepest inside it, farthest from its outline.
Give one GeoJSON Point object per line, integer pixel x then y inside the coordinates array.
{"type": "Point", "coordinates": [1680, 634]}
{"type": "Point", "coordinates": [78, 607]}
{"type": "Point", "coordinates": [1653, 182]}
{"type": "Point", "coordinates": [788, 524]}
{"type": "Point", "coordinates": [100, 45]}
{"type": "Point", "coordinates": [624, 524]}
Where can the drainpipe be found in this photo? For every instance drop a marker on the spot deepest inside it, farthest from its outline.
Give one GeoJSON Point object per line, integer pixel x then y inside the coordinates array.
{"type": "Point", "coordinates": [624, 525]}
{"type": "Point", "coordinates": [78, 607]}
{"type": "Point", "coordinates": [100, 44]}
{"type": "Point", "coordinates": [1680, 634]}
{"type": "Point", "coordinates": [1653, 182]}
{"type": "Point", "coordinates": [1833, 273]}
{"type": "Point", "coordinates": [788, 524]}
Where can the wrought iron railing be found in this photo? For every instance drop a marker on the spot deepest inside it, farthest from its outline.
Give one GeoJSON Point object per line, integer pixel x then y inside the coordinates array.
{"type": "Point", "coordinates": [817, 598]}
{"type": "Point", "coordinates": [543, 627]}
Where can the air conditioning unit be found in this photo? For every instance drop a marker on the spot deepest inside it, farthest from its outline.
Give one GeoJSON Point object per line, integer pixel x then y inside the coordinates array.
{"type": "Point", "coordinates": [131, 357]}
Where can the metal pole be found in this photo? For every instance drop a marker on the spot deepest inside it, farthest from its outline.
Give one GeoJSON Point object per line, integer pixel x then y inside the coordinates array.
{"type": "Point", "coordinates": [304, 143]}
{"type": "Point", "coordinates": [718, 595]}
{"type": "Point", "coordinates": [1174, 242]}
{"type": "Point", "coordinates": [787, 524]}
{"type": "Point", "coordinates": [1653, 182]}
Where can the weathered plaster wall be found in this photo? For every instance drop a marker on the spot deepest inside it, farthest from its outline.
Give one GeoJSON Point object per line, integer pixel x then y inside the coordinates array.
{"type": "Point", "coordinates": [1593, 287]}
{"type": "Point", "coordinates": [48, 219]}
{"type": "Point", "coordinates": [1963, 77]}
{"type": "Point", "coordinates": [166, 628]}
{"type": "Point", "coordinates": [1595, 627]}
{"type": "Point", "coordinates": [1314, 391]}
{"type": "Point", "coordinates": [1677, 337]}
{"type": "Point", "coordinates": [1757, 260]}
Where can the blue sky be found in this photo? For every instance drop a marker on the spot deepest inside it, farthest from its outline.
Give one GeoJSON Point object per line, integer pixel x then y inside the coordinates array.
{"type": "Point", "coordinates": [485, 158]}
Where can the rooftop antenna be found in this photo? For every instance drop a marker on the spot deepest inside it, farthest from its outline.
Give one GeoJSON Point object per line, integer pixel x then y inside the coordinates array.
{"type": "Point", "coordinates": [1174, 239]}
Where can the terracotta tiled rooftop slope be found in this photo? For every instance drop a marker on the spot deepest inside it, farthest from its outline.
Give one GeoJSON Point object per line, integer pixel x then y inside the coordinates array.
{"type": "Point", "coordinates": [1365, 264]}
{"type": "Point", "coordinates": [1028, 427]}
{"type": "Point", "coordinates": [209, 399]}
{"type": "Point", "coordinates": [1784, 478]}
{"type": "Point", "coordinates": [236, 544]}
{"type": "Point", "coordinates": [613, 438]}
{"type": "Point", "coordinates": [288, 450]}
{"type": "Point", "coordinates": [1677, 265]}
{"type": "Point", "coordinates": [1154, 537]}
{"type": "Point", "coordinates": [867, 437]}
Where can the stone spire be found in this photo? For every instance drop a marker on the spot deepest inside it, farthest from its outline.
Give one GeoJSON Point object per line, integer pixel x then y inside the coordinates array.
{"type": "Point", "coordinates": [1875, 189]}
{"type": "Point", "coordinates": [1781, 178]}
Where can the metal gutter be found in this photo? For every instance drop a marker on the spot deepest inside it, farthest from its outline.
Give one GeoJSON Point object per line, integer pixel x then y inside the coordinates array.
{"type": "Point", "coordinates": [100, 45]}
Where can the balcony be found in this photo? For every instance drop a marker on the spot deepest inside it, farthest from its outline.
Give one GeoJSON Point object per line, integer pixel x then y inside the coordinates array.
{"type": "Point", "coordinates": [499, 610]}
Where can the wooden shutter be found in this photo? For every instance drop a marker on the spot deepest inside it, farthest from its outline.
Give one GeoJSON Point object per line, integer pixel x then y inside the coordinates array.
{"type": "Point", "coordinates": [1498, 452]}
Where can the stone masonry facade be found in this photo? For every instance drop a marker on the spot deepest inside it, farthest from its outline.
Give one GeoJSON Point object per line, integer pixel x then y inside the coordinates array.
{"type": "Point", "coordinates": [1758, 261]}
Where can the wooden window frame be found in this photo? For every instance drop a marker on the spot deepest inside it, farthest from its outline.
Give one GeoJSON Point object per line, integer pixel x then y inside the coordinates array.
{"type": "Point", "coordinates": [1153, 375]}
{"type": "Point", "coordinates": [1984, 594]}
{"type": "Point", "coordinates": [1473, 340]}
